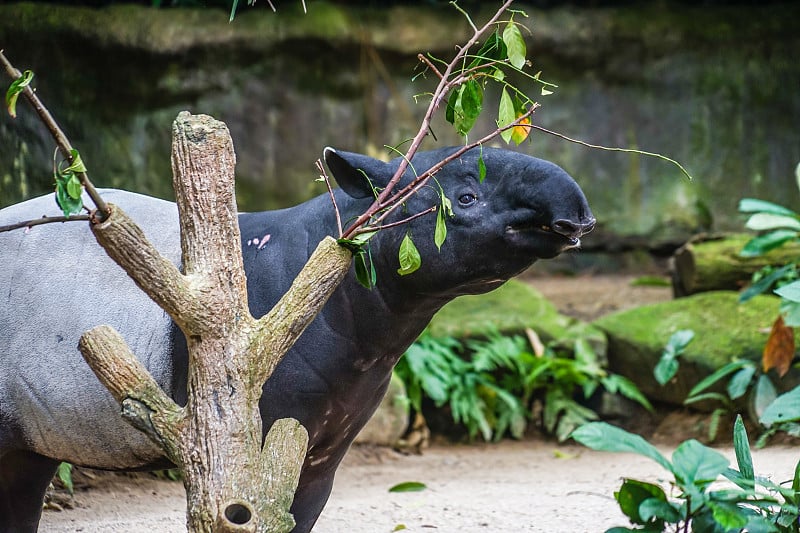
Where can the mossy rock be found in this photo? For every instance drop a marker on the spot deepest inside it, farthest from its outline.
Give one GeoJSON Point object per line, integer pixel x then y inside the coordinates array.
{"type": "Point", "coordinates": [724, 329]}
{"type": "Point", "coordinates": [510, 310]}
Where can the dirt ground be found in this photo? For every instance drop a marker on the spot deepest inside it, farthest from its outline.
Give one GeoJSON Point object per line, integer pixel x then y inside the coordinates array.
{"type": "Point", "coordinates": [530, 485]}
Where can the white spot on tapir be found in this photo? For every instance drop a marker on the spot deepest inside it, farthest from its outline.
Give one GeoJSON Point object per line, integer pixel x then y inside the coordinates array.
{"type": "Point", "coordinates": [314, 461]}
{"type": "Point", "coordinates": [260, 242]}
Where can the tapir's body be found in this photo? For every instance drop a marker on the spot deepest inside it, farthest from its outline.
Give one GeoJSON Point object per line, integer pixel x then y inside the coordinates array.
{"type": "Point", "coordinates": [56, 283]}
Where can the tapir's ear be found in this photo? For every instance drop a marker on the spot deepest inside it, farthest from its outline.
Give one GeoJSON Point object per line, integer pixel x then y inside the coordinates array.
{"type": "Point", "coordinates": [351, 170]}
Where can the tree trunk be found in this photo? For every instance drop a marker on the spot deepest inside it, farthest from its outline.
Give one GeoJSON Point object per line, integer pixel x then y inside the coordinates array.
{"type": "Point", "coordinates": [708, 263]}
{"type": "Point", "coordinates": [233, 484]}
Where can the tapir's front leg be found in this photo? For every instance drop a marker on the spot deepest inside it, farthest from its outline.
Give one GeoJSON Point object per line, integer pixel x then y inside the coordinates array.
{"type": "Point", "coordinates": [309, 500]}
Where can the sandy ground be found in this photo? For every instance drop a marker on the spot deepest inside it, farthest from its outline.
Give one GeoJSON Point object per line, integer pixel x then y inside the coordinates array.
{"type": "Point", "coordinates": [512, 486]}
{"type": "Point", "coordinates": [533, 485]}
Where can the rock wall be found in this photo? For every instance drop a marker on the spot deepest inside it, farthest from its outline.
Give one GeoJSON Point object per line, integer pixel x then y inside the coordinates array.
{"type": "Point", "coordinates": [714, 87]}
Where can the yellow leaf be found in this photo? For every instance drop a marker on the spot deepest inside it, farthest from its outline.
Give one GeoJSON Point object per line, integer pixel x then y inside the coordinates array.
{"type": "Point", "coordinates": [520, 133]}
{"type": "Point", "coordinates": [779, 351]}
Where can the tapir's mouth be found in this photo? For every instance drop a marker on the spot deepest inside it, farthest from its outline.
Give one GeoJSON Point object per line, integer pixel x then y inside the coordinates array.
{"type": "Point", "coordinates": [532, 228]}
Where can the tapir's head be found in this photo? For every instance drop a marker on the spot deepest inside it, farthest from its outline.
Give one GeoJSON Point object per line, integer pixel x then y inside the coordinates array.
{"type": "Point", "coordinates": [523, 210]}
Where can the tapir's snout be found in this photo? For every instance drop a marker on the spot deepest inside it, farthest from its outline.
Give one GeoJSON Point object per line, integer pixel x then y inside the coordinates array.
{"type": "Point", "coordinates": [574, 230]}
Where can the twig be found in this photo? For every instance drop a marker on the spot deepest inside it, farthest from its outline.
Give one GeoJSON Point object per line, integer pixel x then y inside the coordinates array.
{"type": "Point", "coordinates": [430, 65]}
{"type": "Point", "coordinates": [58, 135]}
{"type": "Point", "coordinates": [369, 229]}
{"type": "Point", "coordinates": [611, 148]}
{"type": "Point", "coordinates": [43, 220]}
{"type": "Point", "coordinates": [324, 176]}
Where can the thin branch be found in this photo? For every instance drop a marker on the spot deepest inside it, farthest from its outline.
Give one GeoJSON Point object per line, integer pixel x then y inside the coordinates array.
{"type": "Point", "coordinates": [430, 65]}
{"type": "Point", "coordinates": [611, 148]}
{"type": "Point", "coordinates": [368, 229]}
{"type": "Point", "coordinates": [43, 220]}
{"type": "Point", "coordinates": [58, 135]}
{"type": "Point", "coordinates": [326, 179]}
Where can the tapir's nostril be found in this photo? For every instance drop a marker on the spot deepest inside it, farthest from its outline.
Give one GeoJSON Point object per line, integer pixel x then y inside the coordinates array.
{"type": "Point", "coordinates": [570, 229]}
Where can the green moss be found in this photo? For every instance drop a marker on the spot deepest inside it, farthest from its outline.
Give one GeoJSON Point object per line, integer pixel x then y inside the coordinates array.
{"type": "Point", "coordinates": [724, 331]}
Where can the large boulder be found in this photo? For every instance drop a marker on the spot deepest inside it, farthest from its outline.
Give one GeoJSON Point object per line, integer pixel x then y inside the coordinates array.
{"type": "Point", "coordinates": [724, 330]}
{"type": "Point", "coordinates": [510, 310]}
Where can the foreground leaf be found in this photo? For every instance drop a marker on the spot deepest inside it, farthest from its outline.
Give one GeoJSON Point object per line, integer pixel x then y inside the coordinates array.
{"type": "Point", "coordinates": [741, 446]}
{"type": "Point", "coordinates": [409, 257]}
{"type": "Point", "coordinates": [605, 437]}
{"type": "Point", "coordinates": [632, 494]}
{"type": "Point", "coordinates": [694, 463]}
{"type": "Point", "coordinates": [785, 408]}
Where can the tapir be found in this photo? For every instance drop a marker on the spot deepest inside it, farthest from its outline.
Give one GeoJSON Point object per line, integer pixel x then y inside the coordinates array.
{"type": "Point", "coordinates": [56, 282]}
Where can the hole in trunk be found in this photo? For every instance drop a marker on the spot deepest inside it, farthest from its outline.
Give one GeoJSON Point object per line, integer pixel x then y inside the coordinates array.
{"type": "Point", "coordinates": [238, 513]}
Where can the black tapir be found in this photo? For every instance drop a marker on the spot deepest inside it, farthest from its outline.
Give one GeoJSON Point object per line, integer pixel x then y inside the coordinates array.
{"type": "Point", "coordinates": [56, 283]}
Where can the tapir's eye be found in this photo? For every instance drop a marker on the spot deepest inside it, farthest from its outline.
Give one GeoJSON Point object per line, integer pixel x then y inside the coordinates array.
{"type": "Point", "coordinates": [467, 199]}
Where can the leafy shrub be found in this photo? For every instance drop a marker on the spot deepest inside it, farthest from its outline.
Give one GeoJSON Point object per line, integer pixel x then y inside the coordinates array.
{"type": "Point", "coordinates": [698, 502]}
{"type": "Point", "coordinates": [490, 385]}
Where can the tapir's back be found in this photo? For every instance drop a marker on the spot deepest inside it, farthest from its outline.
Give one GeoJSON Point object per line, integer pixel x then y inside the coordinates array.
{"type": "Point", "coordinates": [55, 283]}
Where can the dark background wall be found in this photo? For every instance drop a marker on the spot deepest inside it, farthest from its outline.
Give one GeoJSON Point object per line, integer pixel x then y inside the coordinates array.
{"type": "Point", "coordinates": [714, 85]}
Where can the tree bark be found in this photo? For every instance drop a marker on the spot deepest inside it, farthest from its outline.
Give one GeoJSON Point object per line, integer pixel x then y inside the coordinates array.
{"type": "Point", "coordinates": [233, 483]}
{"type": "Point", "coordinates": [709, 263]}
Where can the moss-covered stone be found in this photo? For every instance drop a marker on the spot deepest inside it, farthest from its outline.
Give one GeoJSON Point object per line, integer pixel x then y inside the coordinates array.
{"type": "Point", "coordinates": [724, 329]}
{"type": "Point", "coordinates": [510, 310]}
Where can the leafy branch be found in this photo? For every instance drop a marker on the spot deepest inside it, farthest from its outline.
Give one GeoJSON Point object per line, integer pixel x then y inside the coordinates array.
{"type": "Point", "coordinates": [387, 198]}
{"type": "Point", "coordinates": [69, 180]}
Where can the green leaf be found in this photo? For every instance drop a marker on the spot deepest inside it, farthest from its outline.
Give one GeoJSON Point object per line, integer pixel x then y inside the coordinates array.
{"type": "Point", "coordinates": [467, 107]}
{"type": "Point", "coordinates": [696, 464]}
{"type": "Point", "coordinates": [440, 233]}
{"type": "Point", "coordinates": [740, 381]}
{"type": "Point", "coordinates": [765, 283]}
{"type": "Point", "coordinates": [754, 205]}
{"type": "Point", "coordinates": [365, 269]}
{"type": "Point", "coordinates": [77, 163]}
{"type": "Point", "coordinates": [790, 291]}
{"type": "Point", "coordinates": [785, 408]}
{"type": "Point", "coordinates": [666, 368]}
{"type": "Point", "coordinates": [763, 395]}
{"type": "Point", "coordinates": [628, 389]}
{"type": "Point", "coordinates": [493, 49]}
{"type": "Point", "coordinates": [632, 494]}
{"type": "Point", "coordinates": [481, 167]}
{"type": "Point", "coordinates": [409, 257]}
{"type": "Point", "coordinates": [605, 437]}
{"type": "Point", "coordinates": [546, 92]}
{"type": "Point", "coordinates": [679, 340]}
{"type": "Point", "coordinates": [769, 221]}
{"type": "Point", "coordinates": [506, 115]}
{"type": "Point", "coordinates": [450, 111]}
{"type": "Point", "coordinates": [408, 486]}
{"type": "Point", "coordinates": [660, 509]}
{"type": "Point", "coordinates": [717, 375]}
{"type": "Point", "coordinates": [790, 311]}
{"type": "Point", "coordinates": [74, 187]}
{"type": "Point", "coordinates": [741, 446]}
{"type": "Point", "coordinates": [64, 473]}
{"type": "Point", "coordinates": [728, 515]}
{"type": "Point", "coordinates": [17, 86]}
{"type": "Point", "coordinates": [68, 204]}
{"type": "Point", "coordinates": [769, 241]}
{"type": "Point", "coordinates": [515, 44]}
